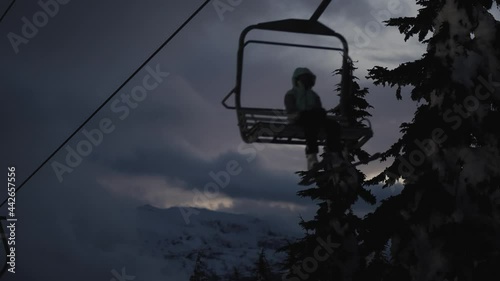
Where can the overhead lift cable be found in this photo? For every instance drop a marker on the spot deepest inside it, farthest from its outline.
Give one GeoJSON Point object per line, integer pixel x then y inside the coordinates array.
{"type": "Point", "coordinates": [112, 95]}
{"type": "Point", "coordinates": [7, 10]}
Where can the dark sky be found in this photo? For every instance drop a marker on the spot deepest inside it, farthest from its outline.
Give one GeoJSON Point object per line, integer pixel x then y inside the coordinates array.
{"type": "Point", "coordinates": [167, 144]}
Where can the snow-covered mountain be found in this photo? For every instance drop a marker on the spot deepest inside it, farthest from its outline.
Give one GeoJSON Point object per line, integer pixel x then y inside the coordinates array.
{"type": "Point", "coordinates": [227, 240]}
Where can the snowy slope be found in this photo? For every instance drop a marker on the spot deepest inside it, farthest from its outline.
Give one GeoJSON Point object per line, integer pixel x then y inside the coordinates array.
{"type": "Point", "coordinates": [227, 240]}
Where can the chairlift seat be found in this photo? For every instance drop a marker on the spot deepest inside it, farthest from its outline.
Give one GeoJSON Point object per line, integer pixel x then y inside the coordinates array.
{"type": "Point", "coordinates": [272, 126]}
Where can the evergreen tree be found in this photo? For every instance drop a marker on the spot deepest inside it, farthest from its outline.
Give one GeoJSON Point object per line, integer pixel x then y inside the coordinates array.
{"type": "Point", "coordinates": [262, 268]}
{"type": "Point", "coordinates": [329, 250]}
{"type": "Point", "coordinates": [201, 271]}
{"type": "Point", "coordinates": [445, 224]}
{"type": "Point", "coordinates": [235, 275]}
{"type": "Point", "coordinates": [356, 104]}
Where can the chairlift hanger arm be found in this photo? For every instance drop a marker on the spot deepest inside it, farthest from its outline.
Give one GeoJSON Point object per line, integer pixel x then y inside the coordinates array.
{"type": "Point", "coordinates": [319, 11]}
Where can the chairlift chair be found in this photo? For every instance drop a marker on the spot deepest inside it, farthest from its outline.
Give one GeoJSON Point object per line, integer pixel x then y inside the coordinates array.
{"type": "Point", "coordinates": [268, 125]}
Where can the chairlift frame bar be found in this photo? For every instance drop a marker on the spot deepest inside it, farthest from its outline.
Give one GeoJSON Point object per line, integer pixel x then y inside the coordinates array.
{"type": "Point", "coordinates": [263, 42]}
{"type": "Point", "coordinates": [294, 26]}
{"type": "Point", "coordinates": [291, 45]}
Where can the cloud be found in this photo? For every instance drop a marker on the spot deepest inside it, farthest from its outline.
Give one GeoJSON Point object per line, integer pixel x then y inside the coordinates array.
{"type": "Point", "coordinates": [160, 192]}
{"type": "Point", "coordinates": [254, 181]}
{"type": "Point", "coordinates": [171, 143]}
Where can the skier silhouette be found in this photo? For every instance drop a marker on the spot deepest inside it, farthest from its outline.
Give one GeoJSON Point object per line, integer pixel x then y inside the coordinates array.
{"type": "Point", "coordinates": [304, 109]}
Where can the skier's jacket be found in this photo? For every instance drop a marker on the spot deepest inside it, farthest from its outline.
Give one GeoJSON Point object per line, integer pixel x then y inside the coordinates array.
{"type": "Point", "coordinates": [299, 99]}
